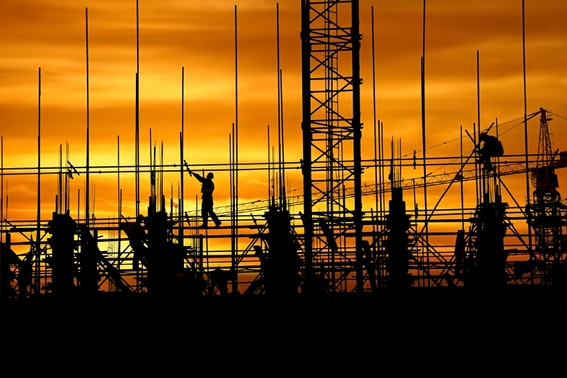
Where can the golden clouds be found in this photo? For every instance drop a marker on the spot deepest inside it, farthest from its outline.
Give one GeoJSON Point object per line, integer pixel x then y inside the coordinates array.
{"type": "Point", "coordinates": [200, 37]}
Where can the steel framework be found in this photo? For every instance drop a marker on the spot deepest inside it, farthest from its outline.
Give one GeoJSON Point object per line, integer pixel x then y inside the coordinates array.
{"type": "Point", "coordinates": [332, 134]}
{"type": "Point", "coordinates": [332, 245]}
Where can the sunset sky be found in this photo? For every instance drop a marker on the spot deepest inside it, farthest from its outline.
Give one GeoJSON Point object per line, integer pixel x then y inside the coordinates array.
{"type": "Point", "coordinates": [199, 36]}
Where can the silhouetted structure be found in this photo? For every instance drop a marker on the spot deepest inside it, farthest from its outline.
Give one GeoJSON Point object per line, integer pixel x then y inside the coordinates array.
{"type": "Point", "coordinates": [281, 263]}
{"type": "Point", "coordinates": [63, 229]}
{"type": "Point", "coordinates": [207, 189]}
{"type": "Point", "coordinates": [490, 147]}
{"type": "Point", "coordinates": [332, 246]}
{"type": "Point", "coordinates": [547, 214]}
{"type": "Point", "coordinates": [485, 262]}
{"type": "Point", "coordinates": [397, 243]}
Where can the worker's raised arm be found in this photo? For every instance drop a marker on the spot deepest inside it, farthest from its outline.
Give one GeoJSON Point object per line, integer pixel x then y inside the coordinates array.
{"type": "Point", "coordinates": [197, 176]}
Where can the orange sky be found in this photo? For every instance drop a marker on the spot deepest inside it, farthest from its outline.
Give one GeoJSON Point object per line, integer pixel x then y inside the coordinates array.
{"type": "Point", "coordinates": [173, 34]}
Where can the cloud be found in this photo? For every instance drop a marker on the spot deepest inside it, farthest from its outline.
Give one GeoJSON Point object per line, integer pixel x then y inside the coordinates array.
{"type": "Point", "coordinates": [201, 38]}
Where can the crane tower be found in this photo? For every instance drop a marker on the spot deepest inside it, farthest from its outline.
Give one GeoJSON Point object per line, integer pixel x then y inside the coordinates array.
{"type": "Point", "coordinates": [547, 214]}
{"type": "Point", "coordinates": [332, 133]}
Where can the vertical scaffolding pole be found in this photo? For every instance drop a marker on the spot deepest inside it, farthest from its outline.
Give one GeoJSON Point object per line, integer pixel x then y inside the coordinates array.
{"type": "Point", "coordinates": [2, 262]}
{"type": "Point", "coordinates": [374, 117]}
{"type": "Point", "coordinates": [307, 139]}
{"type": "Point", "coordinates": [137, 126]}
{"type": "Point", "coordinates": [87, 177]}
{"type": "Point", "coordinates": [423, 140]}
{"type": "Point", "coordinates": [38, 225]}
{"type": "Point", "coordinates": [119, 201]}
{"type": "Point", "coordinates": [181, 153]}
{"type": "Point", "coordinates": [462, 188]}
{"type": "Point", "coordinates": [357, 138]}
{"type": "Point", "coordinates": [526, 128]}
{"type": "Point", "coordinates": [280, 129]}
{"type": "Point", "coordinates": [234, 251]}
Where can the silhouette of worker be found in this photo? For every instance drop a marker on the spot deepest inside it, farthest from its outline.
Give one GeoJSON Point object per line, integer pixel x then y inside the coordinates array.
{"type": "Point", "coordinates": [137, 237]}
{"type": "Point", "coordinates": [491, 147]}
{"type": "Point", "coordinates": [207, 189]}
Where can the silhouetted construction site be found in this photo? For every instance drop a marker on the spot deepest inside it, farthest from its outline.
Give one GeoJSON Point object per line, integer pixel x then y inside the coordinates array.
{"type": "Point", "coordinates": [340, 235]}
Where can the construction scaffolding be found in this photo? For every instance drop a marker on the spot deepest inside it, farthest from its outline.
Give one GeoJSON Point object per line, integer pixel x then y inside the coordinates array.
{"type": "Point", "coordinates": [349, 236]}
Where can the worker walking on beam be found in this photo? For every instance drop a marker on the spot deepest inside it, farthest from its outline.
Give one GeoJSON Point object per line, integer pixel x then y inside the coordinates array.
{"type": "Point", "coordinates": [207, 189]}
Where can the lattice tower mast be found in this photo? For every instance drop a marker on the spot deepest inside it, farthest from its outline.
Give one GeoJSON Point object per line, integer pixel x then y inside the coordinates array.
{"type": "Point", "coordinates": [332, 140]}
{"type": "Point", "coordinates": [544, 155]}
{"type": "Point", "coordinates": [548, 212]}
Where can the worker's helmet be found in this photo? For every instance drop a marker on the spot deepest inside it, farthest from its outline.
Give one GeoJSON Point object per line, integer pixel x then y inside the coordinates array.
{"type": "Point", "coordinates": [482, 135]}
{"type": "Point", "coordinates": [210, 175]}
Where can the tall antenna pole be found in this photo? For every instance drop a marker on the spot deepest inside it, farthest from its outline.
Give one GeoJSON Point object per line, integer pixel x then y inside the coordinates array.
{"type": "Point", "coordinates": [87, 210]}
